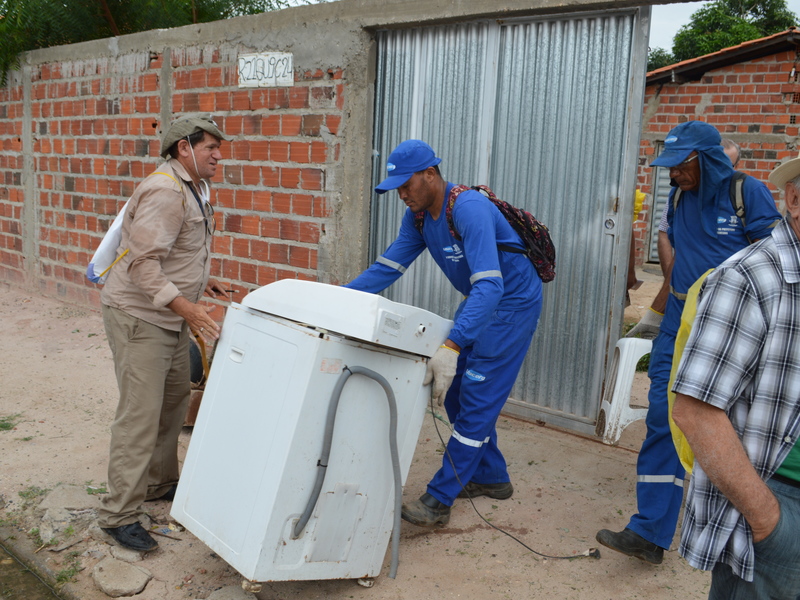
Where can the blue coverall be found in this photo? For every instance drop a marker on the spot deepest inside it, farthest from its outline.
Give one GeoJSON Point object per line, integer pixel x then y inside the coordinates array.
{"type": "Point", "coordinates": [493, 326]}
{"type": "Point", "coordinates": [704, 230]}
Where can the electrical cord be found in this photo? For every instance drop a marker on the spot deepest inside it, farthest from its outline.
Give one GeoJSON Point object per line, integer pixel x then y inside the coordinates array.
{"type": "Point", "coordinates": [590, 553]}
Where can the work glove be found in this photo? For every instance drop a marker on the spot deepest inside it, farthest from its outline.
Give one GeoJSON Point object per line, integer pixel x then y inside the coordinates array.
{"type": "Point", "coordinates": [441, 370]}
{"type": "Point", "coordinates": [648, 327]}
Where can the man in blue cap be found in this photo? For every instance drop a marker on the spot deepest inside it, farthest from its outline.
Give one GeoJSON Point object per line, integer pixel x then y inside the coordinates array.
{"type": "Point", "coordinates": [474, 370]}
{"type": "Point", "coordinates": [704, 230]}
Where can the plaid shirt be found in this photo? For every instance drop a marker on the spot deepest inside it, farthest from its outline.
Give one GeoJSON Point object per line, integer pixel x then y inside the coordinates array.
{"type": "Point", "coordinates": [743, 357]}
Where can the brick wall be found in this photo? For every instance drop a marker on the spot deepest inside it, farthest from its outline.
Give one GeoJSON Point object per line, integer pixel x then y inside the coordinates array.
{"type": "Point", "coordinates": [95, 127]}
{"type": "Point", "coordinates": [11, 190]}
{"type": "Point", "coordinates": [752, 102]}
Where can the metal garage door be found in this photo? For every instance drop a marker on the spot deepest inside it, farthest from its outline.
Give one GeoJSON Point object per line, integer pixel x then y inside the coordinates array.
{"type": "Point", "coordinates": [545, 111]}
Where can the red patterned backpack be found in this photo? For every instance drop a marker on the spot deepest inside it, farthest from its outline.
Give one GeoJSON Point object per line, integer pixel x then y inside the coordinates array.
{"type": "Point", "coordinates": [535, 235]}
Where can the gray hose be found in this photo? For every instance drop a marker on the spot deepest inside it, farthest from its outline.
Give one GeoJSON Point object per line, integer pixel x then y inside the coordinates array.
{"type": "Point", "coordinates": [322, 463]}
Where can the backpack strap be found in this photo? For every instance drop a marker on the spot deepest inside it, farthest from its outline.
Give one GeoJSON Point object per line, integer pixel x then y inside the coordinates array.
{"type": "Point", "coordinates": [419, 220]}
{"type": "Point", "coordinates": [737, 199]}
{"type": "Point", "coordinates": [419, 217]}
{"type": "Point", "coordinates": [451, 200]}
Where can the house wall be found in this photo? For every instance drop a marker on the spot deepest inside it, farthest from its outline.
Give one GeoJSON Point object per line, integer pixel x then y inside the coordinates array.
{"type": "Point", "coordinates": [80, 127]}
{"type": "Point", "coordinates": [753, 103]}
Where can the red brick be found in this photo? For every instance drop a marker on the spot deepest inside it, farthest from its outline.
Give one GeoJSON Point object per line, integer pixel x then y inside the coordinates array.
{"type": "Point", "coordinates": [243, 199]}
{"type": "Point", "coordinates": [279, 151]}
{"type": "Point", "coordinates": [251, 225]}
{"type": "Point", "coordinates": [270, 228]}
{"type": "Point", "coordinates": [300, 152]}
{"type": "Point", "coordinates": [290, 178]}
{"type": "Point", "coordinates": [279, 253]}
{"type": "Point", "coordinates": [291, 124]}
{"type": "Point", "coordinates": [260, 250]}
{"type": "Point", "coordinates": [262, 200]}
{"type": "Point", "coordinates": [271, 125]}
{"type": "Point", "coordinates": [298, 97]}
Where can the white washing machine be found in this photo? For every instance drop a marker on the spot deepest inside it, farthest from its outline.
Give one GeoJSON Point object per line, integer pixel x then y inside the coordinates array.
{"type": "Point", "coordinates": [256, 452]}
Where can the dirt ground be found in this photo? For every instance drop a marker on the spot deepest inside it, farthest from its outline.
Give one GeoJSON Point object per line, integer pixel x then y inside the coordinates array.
{"type": "Point", "coordinates": [58, 392]}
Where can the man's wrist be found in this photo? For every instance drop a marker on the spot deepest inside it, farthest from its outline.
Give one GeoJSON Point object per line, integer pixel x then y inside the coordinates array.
{"type": "Point", "coordinates": [448, 343]}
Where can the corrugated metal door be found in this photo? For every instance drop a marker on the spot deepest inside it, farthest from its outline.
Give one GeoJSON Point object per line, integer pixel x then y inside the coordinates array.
{"type": "Point", "coordinates": [661, 190]}
{"type": "Point", "coordinates": [546, 112]}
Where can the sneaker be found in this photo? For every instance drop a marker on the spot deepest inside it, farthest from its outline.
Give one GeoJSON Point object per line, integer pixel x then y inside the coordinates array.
{"type": "Point", "coordinates": [631, 543]}
{"type": "Point", "coordinates": [498, 491]}
{"type": "Point", "coordinates": [132, 537]}
{"type": "Point", "coordinates": [426, 512]}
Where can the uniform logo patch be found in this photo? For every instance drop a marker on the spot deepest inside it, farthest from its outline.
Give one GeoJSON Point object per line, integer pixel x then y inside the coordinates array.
{"type": "Point", "coordinates": [721, 219]}
{"type": "Point", "coordinates": [390, 167]}
{"type": "Point", "coordinates": [474, 375]}
{"type": "Point", "coordinates": [671, 139]}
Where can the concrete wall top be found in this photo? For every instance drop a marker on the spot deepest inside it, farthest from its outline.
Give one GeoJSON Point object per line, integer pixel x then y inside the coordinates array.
{"type": "Point", "coordinates": [333, 27]}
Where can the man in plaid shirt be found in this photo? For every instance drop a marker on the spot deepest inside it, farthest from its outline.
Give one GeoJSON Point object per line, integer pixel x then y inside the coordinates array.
{"type": "Point", "coordinates": [738, 404]}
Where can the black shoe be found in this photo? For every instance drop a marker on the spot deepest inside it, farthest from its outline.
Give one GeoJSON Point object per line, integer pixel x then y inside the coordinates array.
{"type": "Point", "coordinates": [631, 543]}
{"type": "Point", "coordinates": [498, 491]}
{"type": "Point", "coordinates": [132, 537]}
{"type": "Point", "coordinates": [169, 495]}
{"type": "Point", "coordinates": [426, 512]}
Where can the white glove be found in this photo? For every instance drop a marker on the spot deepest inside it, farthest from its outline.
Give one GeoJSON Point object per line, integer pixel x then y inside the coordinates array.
{"type": "Point", "coordinates": [441, 370]}
{"type": "Point", "coordinates": [648, 327]}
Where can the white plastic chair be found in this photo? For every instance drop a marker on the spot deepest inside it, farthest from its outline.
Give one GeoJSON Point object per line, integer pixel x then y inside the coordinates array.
{"type": "Point", "coordinates": [616, 412]}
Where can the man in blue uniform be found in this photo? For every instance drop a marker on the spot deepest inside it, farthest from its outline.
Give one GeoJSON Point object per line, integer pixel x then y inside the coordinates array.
{"type": "Point", "coordinates": [704, 230]}
{"type": "Point", "coordinates": [474, 370]}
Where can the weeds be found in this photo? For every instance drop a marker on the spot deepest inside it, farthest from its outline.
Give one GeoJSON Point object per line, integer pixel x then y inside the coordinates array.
{"type": "Point", "coordinates": [72, 566]}
{"type": "Point", "coordinates": [32, 492]}
{"type": "Point", "coordinates": [8, 423]}
{"type": "Point", "coordinates": [36, 537]}
{"type": "Point", "coordinates": [94, 490]}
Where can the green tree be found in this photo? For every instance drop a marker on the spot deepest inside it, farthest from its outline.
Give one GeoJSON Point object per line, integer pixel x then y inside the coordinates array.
{"type": "Point", "coordinates": [657, 58]}
{"type": "Point", "coordinates": [30, 24]}
{"type": "Point", "coordinates": [724, 23]}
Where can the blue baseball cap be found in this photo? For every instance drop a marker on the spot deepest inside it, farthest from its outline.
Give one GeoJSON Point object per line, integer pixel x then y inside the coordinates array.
{"type": "Point", "coordinates": [408, 158]}
{"type": "Point", "coordinates": [683, 139]}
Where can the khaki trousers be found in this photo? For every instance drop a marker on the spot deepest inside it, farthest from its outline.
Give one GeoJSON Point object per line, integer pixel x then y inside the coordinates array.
{"type": "Point", "coordinates": [152, 368]}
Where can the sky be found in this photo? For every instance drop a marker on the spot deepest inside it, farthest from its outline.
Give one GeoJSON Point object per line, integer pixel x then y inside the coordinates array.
{"type": "Point", "coordinates": [668, 18]}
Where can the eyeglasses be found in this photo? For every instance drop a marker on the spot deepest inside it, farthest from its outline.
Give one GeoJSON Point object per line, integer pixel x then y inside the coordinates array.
{"type": "Point", "coordinates": [681, 166]}
{"type": "Point", "coordinates": [211, 222]}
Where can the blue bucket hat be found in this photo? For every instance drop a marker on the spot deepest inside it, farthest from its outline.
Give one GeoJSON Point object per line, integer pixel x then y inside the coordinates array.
{"type": "Point", "coordinates": [408, 158]}
{"type": "Point", "coordinates": [692, 135]}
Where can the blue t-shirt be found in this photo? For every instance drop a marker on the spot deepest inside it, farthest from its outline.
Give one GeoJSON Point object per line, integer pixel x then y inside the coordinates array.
{"type": "Point", "coordinates": [490, 279]}
{"type": "Point", "coordinates": [697, 250]}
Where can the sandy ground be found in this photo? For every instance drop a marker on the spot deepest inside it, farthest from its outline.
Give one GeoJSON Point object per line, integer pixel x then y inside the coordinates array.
{"type": "Point", "coordinates": [58, 389]}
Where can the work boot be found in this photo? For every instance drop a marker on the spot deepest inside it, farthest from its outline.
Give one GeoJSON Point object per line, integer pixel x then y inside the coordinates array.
{"type": "Point", "coordinates": [169, 495]}
{"type": "Point", "coordinates": [498, 491]}
{"type": "Point", "coordinates": [631, 543]}
{"type": "Point", "coordinates": [132, 536]}
{"type": "Point", "coordinates": [426, 512]}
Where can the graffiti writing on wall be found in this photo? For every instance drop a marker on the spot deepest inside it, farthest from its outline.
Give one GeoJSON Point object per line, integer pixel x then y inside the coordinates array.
{"type": "Point", "coordinates": [265, 69]}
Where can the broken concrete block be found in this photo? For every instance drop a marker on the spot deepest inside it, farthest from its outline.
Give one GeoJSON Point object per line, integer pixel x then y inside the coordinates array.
{"type": "Point", "coordinates": [117, 578]}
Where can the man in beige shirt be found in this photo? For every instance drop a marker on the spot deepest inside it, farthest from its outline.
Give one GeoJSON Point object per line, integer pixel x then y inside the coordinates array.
{"type": "Point", "coordinates": [150, 305]}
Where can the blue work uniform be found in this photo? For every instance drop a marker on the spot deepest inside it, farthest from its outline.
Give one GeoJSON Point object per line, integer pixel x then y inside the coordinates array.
{"type": "Point", "coordinates": [493, 326]}
{"type": "Point", "coordinates": [705, 231]}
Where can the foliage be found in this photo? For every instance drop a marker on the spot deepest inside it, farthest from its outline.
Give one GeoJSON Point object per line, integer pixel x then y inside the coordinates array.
{"type": "Point", "coordinates": [94, 490]}
{"type": "Point", "coordinates": [30, 24]}
{"type": "Point", "coordinates": [72, 566]}
{"type": "Point", "coordinates": [657, 58]}
{"type": "Point", "coordinates": [724, 23]}
{"type": "Point", "coordinates": [32, 492]}
{"type": "Point", "coordinates": [8, 423]}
